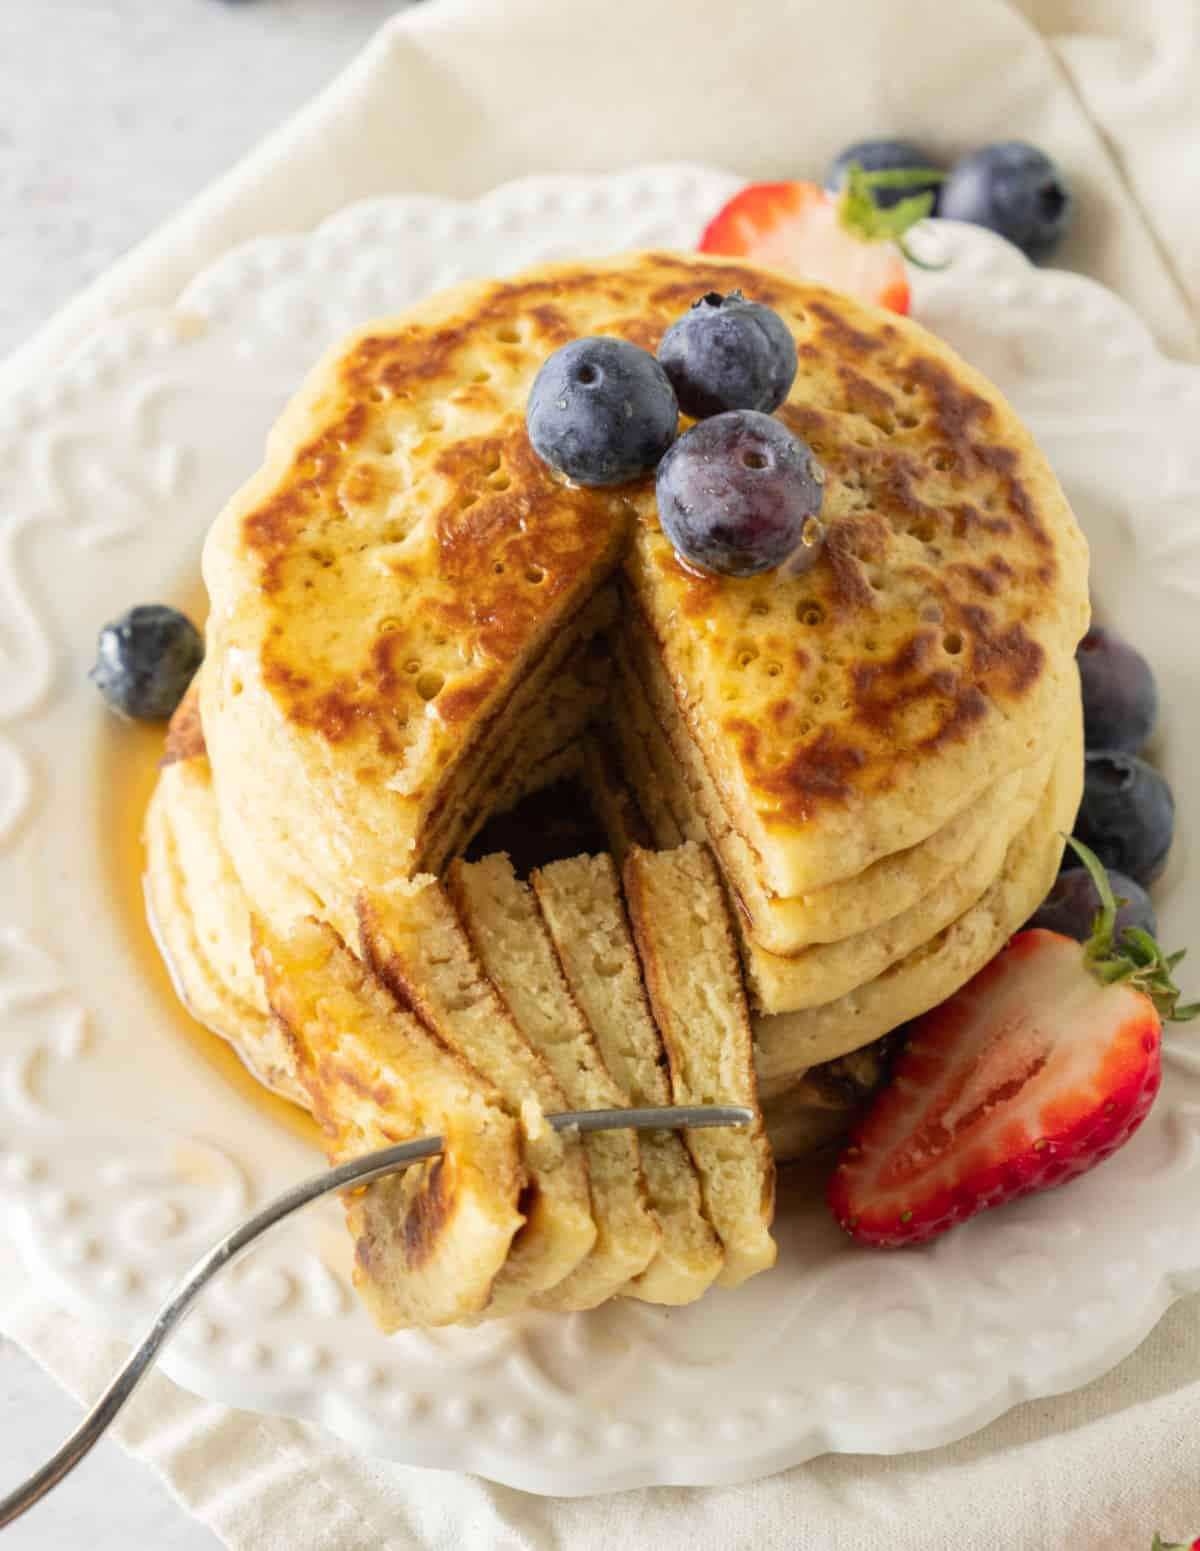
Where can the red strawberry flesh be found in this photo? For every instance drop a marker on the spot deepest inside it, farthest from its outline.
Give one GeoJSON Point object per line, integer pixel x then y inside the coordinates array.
{"type": "Point", "coordinates": [1027, 1077]}
{"type": "Point", "coordinates": [796, 227]}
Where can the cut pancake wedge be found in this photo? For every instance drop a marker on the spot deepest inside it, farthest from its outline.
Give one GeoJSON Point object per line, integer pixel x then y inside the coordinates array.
{"type": "Point", "coordinates": [505, 926]}
{"type": "Point", "coordinates": [581, 903]}
{"type": "Point", "coordinates": [429, 1243]}
{"type": "Point", "coordinates": [681, 924]}
{"type": "Point", "coordinates": [414, 942]}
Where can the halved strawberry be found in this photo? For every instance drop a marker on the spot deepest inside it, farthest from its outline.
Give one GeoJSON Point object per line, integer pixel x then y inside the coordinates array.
{"type": "Point", "coordinates": [1038, 1069]}
{"type": "Point", "coordinates": [843, 239]}
{"type": "Point", "coordinates": [1161, 1545]}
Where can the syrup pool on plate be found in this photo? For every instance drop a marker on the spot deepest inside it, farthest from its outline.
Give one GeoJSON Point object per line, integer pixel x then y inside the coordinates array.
{"type": "Point", "coordinates": [129, 757]}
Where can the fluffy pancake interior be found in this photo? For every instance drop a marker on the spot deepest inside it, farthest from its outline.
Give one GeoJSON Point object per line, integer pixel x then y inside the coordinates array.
{"type": "Point", "coordinates": [684, 938]}
{"type": "Point", "coordinates": [504, 923]}
{"type": "Point", "coordinates": [414, 942]}
{"type": "Point", "coordinates": [580, 899]}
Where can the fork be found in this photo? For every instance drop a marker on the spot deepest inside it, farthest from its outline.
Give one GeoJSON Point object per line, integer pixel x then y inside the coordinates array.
{"type": "Point", "coordinates": [359, 1171]}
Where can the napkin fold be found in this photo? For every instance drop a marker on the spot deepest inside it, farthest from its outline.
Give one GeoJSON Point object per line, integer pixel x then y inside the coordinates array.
{"type": "Point", "coordinates": [454, 97]}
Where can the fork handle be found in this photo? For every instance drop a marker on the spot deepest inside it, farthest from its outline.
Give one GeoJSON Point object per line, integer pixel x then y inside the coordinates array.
{"type": "Point", "coordinates": [358, 1171]}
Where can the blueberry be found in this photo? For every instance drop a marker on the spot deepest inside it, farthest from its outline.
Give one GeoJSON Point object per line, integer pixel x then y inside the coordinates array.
{"type": "Point", "coordinates": [601, 411]}
{"type": "Point", "coordinates": [728, 353]}
{"type": "Point", "coordinates": [883, 156]}
{"type": "Point", "coordinates": [1071, 905]}
{"type": "Point", "coordinates": [145, 661]}
{"type": "Point", "coordinates": [1120, 697]}
{"type": "Point", "coordinates": [1127, 815]}
{"type": "Point", "coordinates": [739, 494]}
{"type": "Point", "coordinates": [1013, 189]}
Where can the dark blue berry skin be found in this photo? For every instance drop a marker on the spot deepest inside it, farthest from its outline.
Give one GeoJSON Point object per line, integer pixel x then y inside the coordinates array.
{"type": "Point", "coordinates": [1071, 905]}
{"type": "Point", "coordinates": [884, 156]}
{"type": "Point", "coordinates": [728, 353]}
{"type": "Point", "coordinates": [739, 494]}
{"type": "Point", "coordinates": [1127, 815]}
{"type": "Point", "coordinates": [145, 661]}
{"type": "Point", "coordinates": [601, 411]}
{"type": "Point", "coordinates": [1013, 189]}
{"type": "Point", "coordinates": [1120, 697]}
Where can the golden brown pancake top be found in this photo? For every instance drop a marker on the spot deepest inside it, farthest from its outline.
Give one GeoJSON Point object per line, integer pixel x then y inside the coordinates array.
{"type": "Point", "coordinates": [415, 543]}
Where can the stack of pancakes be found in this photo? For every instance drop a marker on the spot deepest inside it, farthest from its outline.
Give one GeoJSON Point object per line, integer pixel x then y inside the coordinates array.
{"type": "Point", "coordinates": [415, 624]}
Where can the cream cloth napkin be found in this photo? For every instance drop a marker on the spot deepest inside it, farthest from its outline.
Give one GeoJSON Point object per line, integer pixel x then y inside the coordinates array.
{"type": "Point", "coordinates": [456, 96]}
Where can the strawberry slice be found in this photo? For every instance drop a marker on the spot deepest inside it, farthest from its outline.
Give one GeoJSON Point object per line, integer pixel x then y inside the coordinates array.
{"type": "Point", "coordinates": [843, 240]}
{"type": "Point", "coordinates": [1037, 1070]}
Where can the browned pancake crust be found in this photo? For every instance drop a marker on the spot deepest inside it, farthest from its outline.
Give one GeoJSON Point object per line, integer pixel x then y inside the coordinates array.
{"type": "Point", "coordinates": [512, 544]}
{"type": "Point", "coordinates": [185, 734]}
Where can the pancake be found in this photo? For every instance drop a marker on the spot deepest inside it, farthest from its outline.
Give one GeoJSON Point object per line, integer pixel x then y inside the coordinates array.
{"type": "Point", "coordinates": [933, 879]}
{"type": "Point", "coordinates": [200, 916]}
{"type": "Point", "coordinates": [504, 923]}
{"type": "Point", "coordinates": [629, 803]}
{"type": "Point", "coordinates": [415, 623]}
{"type": "Point", "coordinates": [682, 929]}
{"type": "Point", "coordinates": [672, 779]}
{"type": "Point", "coordinates": [414, 942]}
{"type": "Point", "coordinates": [826, 971]}
{"type": "Point", "coordinates": [787, 1045]}
{"type": "Point", "coordinates": [581, 903]}
{"type": "Point", "coordinates": [429, 1242]}
{"type": "Point", "coordinates": [545, 715]}
{"type": "Point", "coordinates": [394, 593]}
{"type": "Point", "coordinates": [849, 712]}
{"type": "Point", "coordinates": [549, 749]}
{"type": "Point", "coordinates": [203, 907]}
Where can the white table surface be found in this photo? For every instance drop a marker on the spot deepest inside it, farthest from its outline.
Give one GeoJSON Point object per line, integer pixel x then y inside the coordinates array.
{"type": "Point", "coordinates": [113, 113]}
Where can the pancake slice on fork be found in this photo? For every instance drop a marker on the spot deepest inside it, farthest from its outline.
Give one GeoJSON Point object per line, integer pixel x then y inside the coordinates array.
{"type": "Point", "coordinates": [581, 903]}
{"type": "Point", "coordinates": [428, 1243]}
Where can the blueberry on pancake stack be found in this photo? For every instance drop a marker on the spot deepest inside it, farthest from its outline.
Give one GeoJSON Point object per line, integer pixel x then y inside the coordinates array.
{"type": "Point", "coordinates": [780, 582]}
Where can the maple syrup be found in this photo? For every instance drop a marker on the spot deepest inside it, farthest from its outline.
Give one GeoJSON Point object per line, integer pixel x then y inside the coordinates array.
{"type": "Point", "coordinates": [555, 822]}
{"type": "Point", "coordinates": [129, 756]}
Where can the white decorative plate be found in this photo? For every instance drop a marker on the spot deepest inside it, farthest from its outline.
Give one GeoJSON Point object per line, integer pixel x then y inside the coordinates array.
{"type": "Point", "coordinates": [123, 1151]}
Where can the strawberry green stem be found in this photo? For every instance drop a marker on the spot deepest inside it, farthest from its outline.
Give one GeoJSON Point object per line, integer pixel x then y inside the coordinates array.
{"type": "Point", "coordinates": [1137, 959]}
{"type": "Point", "coordinates": [870, 222]}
